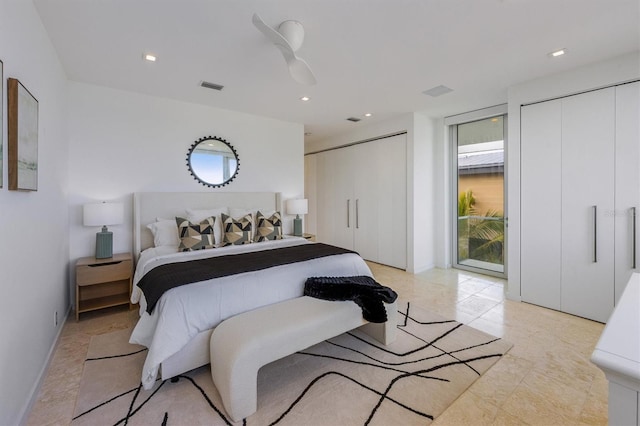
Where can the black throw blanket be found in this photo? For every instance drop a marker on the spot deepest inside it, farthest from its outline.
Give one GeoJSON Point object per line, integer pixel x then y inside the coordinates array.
{"type": "Point", "coordinates": [363, 290]}
{"type": "Point", "coordinates": [165, 277]}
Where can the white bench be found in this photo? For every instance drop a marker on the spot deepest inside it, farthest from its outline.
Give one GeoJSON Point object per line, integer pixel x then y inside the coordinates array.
{"type": "Point", "coordinates": [242, 344]}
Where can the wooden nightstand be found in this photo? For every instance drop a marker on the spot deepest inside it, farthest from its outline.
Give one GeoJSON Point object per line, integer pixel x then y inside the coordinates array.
{"type": "Point", "coordinates": [310, 237]}
{"type": "Point", "coordinates": [101, 283]}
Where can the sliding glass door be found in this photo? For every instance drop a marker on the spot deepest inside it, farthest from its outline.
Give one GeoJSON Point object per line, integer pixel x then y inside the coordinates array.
{"type": "Point", "coordinates": [479, 184]}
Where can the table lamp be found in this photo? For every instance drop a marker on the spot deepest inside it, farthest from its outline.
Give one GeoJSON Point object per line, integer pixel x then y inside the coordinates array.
{"type": "Point", "coordinates": [297, 207]}
{"type": "Point", "coordinates": [103, 214]}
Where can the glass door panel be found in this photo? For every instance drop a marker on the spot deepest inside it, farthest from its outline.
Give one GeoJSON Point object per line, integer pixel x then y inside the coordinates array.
{"type": "Point", "coordinates": [480, 227]}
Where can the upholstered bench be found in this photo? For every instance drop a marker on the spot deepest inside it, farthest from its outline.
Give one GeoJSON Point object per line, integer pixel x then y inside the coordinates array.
{"type": "Point", "coordinates": [242, 344]}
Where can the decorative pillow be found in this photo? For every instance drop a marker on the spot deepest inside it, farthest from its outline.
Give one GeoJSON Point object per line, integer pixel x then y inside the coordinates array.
{"type": "Point", "coordinates": [236, 231]}
{"type": "Point", "coordinates": [268, 228]}
{"type": "Point", "coordinates": [164, 233]}
{"type": "Point", "coordinates": [196, 216]}
{"type": "Point", "coordinates": [239, 212]}
{"type": "Point", "coordinates": [195, 236]}
{"type": "Point", "coordinates": [235, 212]}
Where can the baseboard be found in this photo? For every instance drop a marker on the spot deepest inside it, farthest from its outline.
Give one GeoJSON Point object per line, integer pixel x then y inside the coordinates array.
{"type": "Point", "coordinates": [35, 390]}
{"type": "Point", "coordinates": [422, 268]}
{"type": "Point", "coordinates": [514, 297]}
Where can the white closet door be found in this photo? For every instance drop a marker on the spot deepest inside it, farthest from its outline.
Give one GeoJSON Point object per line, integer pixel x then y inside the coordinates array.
{"type": "Point", "coordinates": [627, 182]}
{"type": "Point", "coordinates": [541, 201]}
{"type": "Point", "coordinates": [588, 165]}
{"type": "Point", "coordinates": [343, 213]}
{"type": "Point", "coordinates": [392, 201]}
{"type": "Point", "coordinates": [323, 201]}
{"type": "Point", "coordinates": [335, 190]}
{"type": "Point", "coordinates": [367, 178]}
{"type": "Point", "coordinates": [310, 193]}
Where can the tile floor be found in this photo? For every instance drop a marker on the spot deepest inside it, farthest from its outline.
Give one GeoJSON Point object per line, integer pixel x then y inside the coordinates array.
{"type": "Point", "coordinates": [545, 379]}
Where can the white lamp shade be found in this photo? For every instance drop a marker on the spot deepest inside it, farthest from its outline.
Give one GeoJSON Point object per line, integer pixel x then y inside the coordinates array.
{"type": "Point", "coordinates": [101, 214]}
{"type": "Point", "coordinates": [297, 206]}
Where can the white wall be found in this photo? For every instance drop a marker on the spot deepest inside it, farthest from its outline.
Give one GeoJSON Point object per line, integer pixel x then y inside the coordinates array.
{"type": "Point", "coordinates": [421, 174]}
{"type": "Point", "coordinates": [601, 74]}
{"type": "Point", "coordinates": [122, 142]}
{"type": "Point", "coordinates": [34, 225]}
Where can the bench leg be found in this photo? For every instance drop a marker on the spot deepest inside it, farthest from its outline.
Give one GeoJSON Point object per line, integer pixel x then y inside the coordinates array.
{"type": "Point", "coordinates": [240, 395]}
{"type": "Point", "coordinates": [384, 333]}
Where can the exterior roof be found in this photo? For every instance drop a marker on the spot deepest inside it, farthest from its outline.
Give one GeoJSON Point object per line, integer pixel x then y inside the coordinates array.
{"type": "Point", "coordinates": [484, 162]}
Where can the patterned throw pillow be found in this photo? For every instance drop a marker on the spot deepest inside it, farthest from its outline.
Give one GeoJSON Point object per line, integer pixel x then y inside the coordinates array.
{"type": "Point", "coordinates": [195, 236]}
{"type": "Point", "coordinates": [268, 228]}
{"type": "Point", "coordinates": [236, 231]}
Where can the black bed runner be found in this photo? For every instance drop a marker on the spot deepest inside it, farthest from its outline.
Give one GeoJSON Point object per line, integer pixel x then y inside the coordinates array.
{"type": "Point", "coordinates": [165, 277]}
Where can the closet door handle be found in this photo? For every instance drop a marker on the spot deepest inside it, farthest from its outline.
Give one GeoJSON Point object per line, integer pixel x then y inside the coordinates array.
{"type": "Point", "coordinates": [595, 234]}
{"type": "Point", "coordinates": [633, 212]}
{"type": "Point", "coordinates": [348, 213]}
{"type": "Point", "coordinates": [357, 215]}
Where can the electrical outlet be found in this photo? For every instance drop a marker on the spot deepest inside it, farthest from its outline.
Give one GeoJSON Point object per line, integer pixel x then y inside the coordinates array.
{"type": "Point", "coordinates": [55, 318]}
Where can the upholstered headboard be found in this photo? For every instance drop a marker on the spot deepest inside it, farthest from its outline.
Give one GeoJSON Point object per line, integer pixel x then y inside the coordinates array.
{"type": "Point", "coordinates": [148, 206]}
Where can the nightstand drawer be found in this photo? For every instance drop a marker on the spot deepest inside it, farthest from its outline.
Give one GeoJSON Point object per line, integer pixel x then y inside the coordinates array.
{"type": "Point", "coordinates": [103, 272]}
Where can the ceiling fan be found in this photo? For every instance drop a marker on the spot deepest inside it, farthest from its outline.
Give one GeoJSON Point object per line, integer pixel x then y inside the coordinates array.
{"type": "Point", "coordinates": [288, 38]}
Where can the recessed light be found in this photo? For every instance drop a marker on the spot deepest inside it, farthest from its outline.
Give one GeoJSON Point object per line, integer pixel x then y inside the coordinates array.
{"type": "Point", "coordinates": [149, 57]}
{"type": "Point", "coordinates": [558, 52]}
{"type": "Point", "coordinates": [368, 114]}
{"type": "Point", "coordinates": [305, 98]}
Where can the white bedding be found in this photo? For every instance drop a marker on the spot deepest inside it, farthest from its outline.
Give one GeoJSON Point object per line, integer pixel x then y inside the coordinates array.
{"type": "Point", "coordinates": [185, 311]}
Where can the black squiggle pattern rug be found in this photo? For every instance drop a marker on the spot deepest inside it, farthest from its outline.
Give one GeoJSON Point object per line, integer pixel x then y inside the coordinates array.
{"type": "Point", "coordinates": [347, 380]}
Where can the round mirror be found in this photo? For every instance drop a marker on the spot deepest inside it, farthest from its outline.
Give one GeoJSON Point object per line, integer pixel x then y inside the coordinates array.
{"type": "Point", "coordinates": [212, 161]}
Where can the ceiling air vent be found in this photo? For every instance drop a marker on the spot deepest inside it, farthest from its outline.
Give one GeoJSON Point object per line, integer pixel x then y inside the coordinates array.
{"type": "Point", "coordinates": [354, 119]}
{"type": "Point", "coordinates": [211, 85]}
{"type": "Point", "coordinates": [437, 91]}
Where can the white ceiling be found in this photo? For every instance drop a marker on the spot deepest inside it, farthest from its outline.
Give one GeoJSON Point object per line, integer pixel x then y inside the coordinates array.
{"type": "Point", "coordinates": [374, 56]}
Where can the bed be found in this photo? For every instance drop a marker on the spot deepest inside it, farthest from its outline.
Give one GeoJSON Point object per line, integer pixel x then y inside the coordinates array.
{"type": "Point", "coordinates": [177, 327]}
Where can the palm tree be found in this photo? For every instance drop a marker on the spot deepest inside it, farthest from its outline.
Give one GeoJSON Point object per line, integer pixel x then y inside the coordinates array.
{"type": "Point", "coordinates": [486, 233]}
{"type": "Point", "coordinates": [490, 231]}
{"type": "Point", "coordinates": [466, 201]}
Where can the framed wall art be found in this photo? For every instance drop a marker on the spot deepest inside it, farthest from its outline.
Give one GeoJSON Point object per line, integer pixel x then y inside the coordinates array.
{"type": "Point", "coordinates": [22, 137]}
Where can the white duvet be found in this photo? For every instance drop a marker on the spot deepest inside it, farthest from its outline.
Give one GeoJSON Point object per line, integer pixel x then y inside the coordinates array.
{"type": "Point", "coordinates": [183, 312]}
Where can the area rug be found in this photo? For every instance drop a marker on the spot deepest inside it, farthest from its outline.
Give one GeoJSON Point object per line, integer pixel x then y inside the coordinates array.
{"type": "Point", "coordinates": [347, 380]}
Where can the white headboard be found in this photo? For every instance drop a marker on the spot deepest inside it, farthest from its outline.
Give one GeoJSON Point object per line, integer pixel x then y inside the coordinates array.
{"type": "Point", "coordinates": [147, 206]}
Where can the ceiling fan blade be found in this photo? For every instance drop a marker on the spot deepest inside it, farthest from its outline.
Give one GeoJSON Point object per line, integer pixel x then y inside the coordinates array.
{"type": "Point", "coordinates": [301, 72]}
{"type": "Point", "coordinates": [298, 68]}
{"type": "Point", "coordinates": [274, 36]}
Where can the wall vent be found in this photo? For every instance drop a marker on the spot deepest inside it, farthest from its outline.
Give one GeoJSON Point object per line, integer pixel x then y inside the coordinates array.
{"type": "Point", "coordinates": [354, 119]}
{"type": "Point", "coordinates": [211, 85]}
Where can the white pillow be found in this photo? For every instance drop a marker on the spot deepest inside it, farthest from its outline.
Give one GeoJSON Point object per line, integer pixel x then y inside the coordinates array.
{"type": "Point", "coordinates": [197, 216]}
{"type": "Point", "coordinates": [165, 233]}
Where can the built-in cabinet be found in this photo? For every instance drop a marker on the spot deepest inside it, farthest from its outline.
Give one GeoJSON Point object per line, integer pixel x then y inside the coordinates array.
{"type": "Point", "coordinates": [579, 191]}
{"type": "Point", "coordinates": [361, 199]}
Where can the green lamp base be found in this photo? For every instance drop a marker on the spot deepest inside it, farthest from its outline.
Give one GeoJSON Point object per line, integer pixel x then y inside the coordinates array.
{"type": "Point", "coordinates": [104, 244]}
{"type": "Point", "coordinates": [297, 226]}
